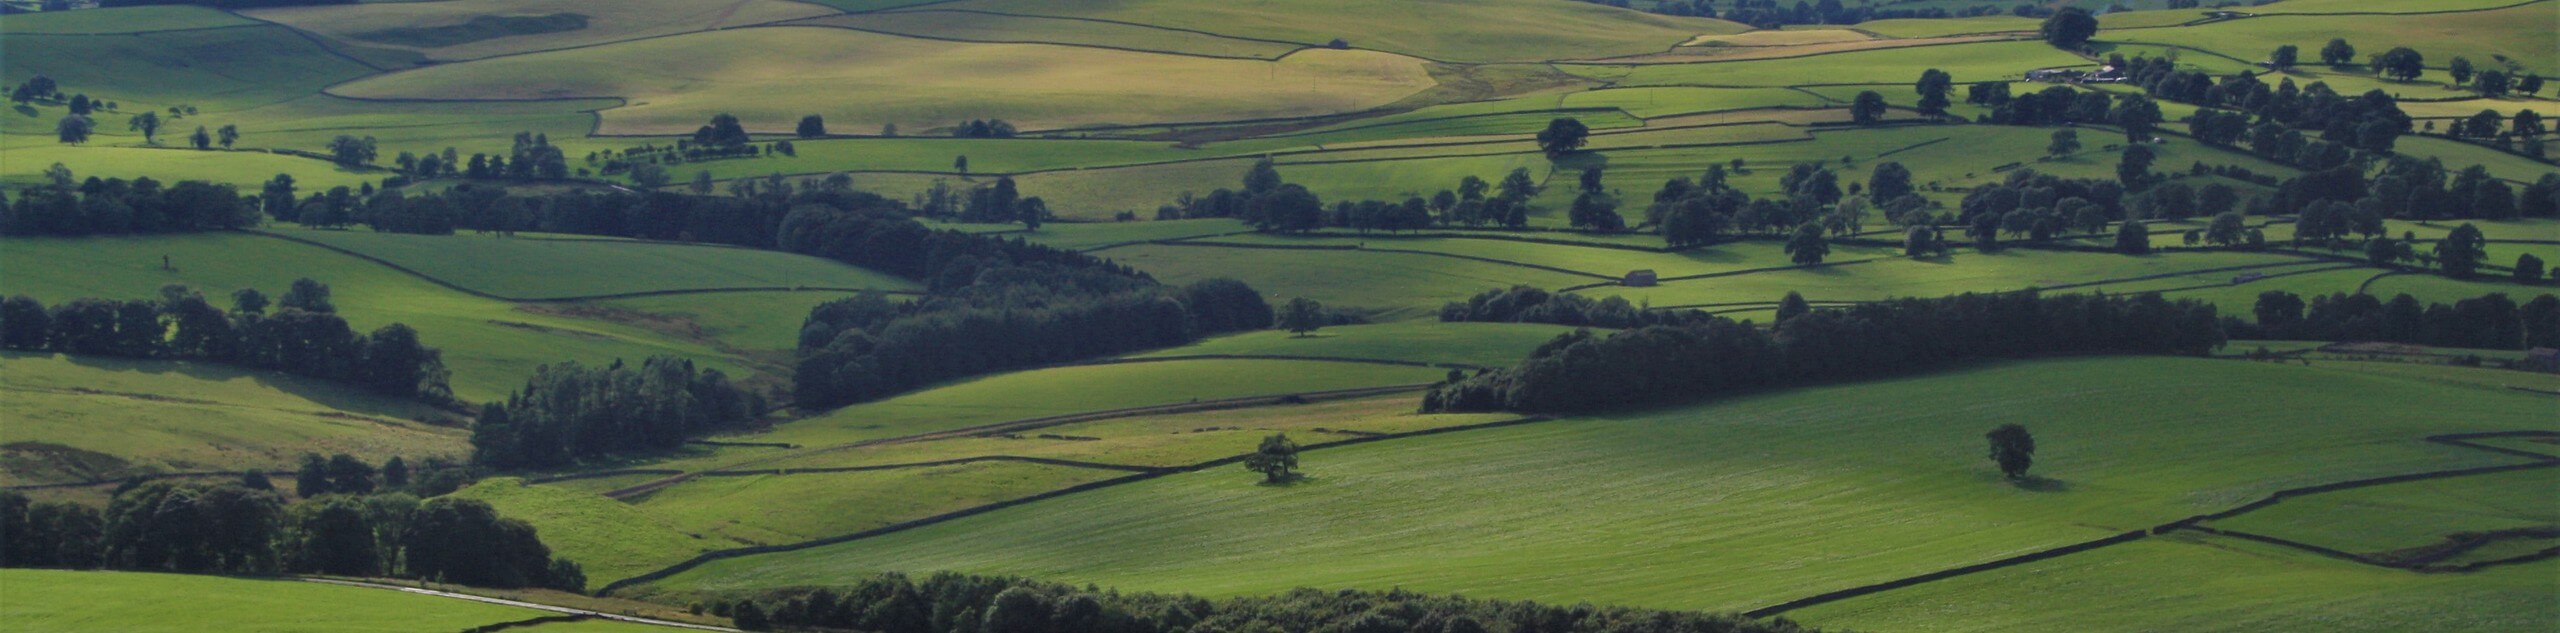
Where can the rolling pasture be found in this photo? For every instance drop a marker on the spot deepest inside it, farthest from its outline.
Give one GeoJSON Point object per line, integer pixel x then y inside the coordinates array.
{"type": "Point", "coordinates": [1729, 489]}
{"type": "Point", "coordinates": [1116, 471]}
{"type": "Point", "coordinates": [78, 419]}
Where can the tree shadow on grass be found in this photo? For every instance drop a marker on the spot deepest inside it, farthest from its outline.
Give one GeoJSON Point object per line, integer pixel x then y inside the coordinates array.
{"type": "Point", "coordinates": [2039, 483]}
{"type": "Point", "coordinates": [1292, 481]}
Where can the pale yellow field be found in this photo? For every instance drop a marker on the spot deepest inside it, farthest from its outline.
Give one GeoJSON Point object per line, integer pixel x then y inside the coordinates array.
{"type": "Point", "coordinates": [769, 77]}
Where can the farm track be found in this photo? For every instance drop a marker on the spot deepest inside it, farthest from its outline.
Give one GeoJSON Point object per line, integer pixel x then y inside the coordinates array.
{"type": "Point", "coordinates": [2538, 460]}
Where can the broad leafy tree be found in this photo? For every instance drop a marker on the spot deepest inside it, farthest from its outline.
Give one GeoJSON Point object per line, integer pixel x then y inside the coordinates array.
{"type": "Point", "coordinates": [2013, 449]}
{"type": "Point", "coordinates": [1276, 459]}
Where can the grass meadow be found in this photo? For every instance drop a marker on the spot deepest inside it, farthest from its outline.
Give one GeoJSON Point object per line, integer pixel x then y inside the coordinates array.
{"type": "Point", "coordinates": [51, 600]}
{"type": "Point", "coordinates": [1710, 506]}
{"type": "Point", "coordinates": [521, 268]}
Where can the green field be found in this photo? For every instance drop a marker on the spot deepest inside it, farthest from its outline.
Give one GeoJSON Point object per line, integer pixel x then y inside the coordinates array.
{"type": "Point", "coordinates": [989, 27]}
{"type": "Point", "coordinates": [912, 83]}
{"type": "Point", "coordinates": [521, 268]}
{"type": "Point", "coordinates": [398, 25]}
{"type": "Point", "coordinates": [47, 600]}
{"type": "Point", "coordinates": [491, 346]}
{"type": "Point", "coordinates": [2398, 516]}
{"type": "Point", "coordinates": [2187, 582]}
{"type": "Point", "coordinates": [609, 539]}
{"type": "Point", "coordinates": [1730, 491]}
{"type": "Point", "coordinates": [84, 419]}
{"type": "Point", "coordinates": [1483, 344]}
{"type": "Point", "coordinates": [1447, 30]}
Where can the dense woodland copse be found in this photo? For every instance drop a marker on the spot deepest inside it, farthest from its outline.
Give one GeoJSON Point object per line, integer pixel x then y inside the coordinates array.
{"type": "Point", "coordinates": [229, 528]}
{"type": "Point", "coordinates": [2492, 321]}
{"type": "Point", "coordinates": [988, 604]}
{"type": "Point", "coordinates": [1583, 371]}
{"type": "Point", "coordinates": [570, 412]}
{"type": "Point", "coordinates": [304, 336]}
{"type": "Point", "coordinates": [61, 206]}
{"type": "Point", "coordinates": [1526, 304]}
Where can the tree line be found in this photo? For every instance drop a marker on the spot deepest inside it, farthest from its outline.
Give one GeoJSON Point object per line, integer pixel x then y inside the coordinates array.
{"type": "Point", "coordinates": [1582, 371]}
{"type": "Point", "coordinates": [303, 336]}
{"type": "Point", "coordinates": [1770, 14]}
{"type": "Point", "coordinates": [228, 528]}
{"type": "Point", "coordinates": [2491, 321]}
{"type": "Point", "coordinates": [1526, 304]}
{"type": "Point", "coordinates": [1012, 317]}
{"type": "Point", "coordinates": [961, 603]}
{"type": "Point", "coordinates": [59, 206]}
{"type": "Point", "coordinates": [569, 412]}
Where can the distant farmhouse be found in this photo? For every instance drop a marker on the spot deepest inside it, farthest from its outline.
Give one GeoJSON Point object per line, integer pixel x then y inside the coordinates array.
{"type": "Point", "coordinates": [2104, 75]}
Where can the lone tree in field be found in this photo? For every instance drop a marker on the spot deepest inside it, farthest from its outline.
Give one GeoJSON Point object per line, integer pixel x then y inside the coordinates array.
{"type": "Point", "coordinates": [74, 129]}
{"type": "Point", "coordinates": [1868, 109]}
{"type": "Point", "coordinates": [2070, 28]}
{"type": "Point", "coordinates": [2132, 238]}
{"type": "Point", "coordinates": [227, 135]}
{"type": "Point", "coordinates": [2285, 56]}
{"type": "Point", "coordinates": [1807, 247]}
{"type": "Point", "coordinates": [1302, 316]}
{"type": "Point", "coordinates": [1934, 87]}
{"type": "Point", "coordinates": [2462, 252]}
{"type": "Point", "coordinates": [1562, 136]}
{"type": "Point", "coordinates": [2013, 448]}
{"type": "Point", "coordinates": [2401, 63]}
{"type": "Point", "coordinates": [1276, 459]}
{"type": "Point", "coordinates": [202, 139]}
{"type": "Point", "coordinates": [2338, 53]}
{"type": "Point", "coordinates": [2065, 141]}
{"type": "Point", "coordinates": [148, 123]}
{"type": "Point", "coordinates": [812, 126]}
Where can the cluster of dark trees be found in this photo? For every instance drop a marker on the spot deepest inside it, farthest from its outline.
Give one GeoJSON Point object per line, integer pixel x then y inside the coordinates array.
{"type": "Point", "coordinates": [1525, 304]}
{"type": "Point", "coordinates": [348, 475]}
{"type": "Point", "coordinates": [569, 412]}
{"type": "Point", "coordinates": [1582, 371]}
{"type": "Point", "coordinates": [2372, 121]}
{"type": "Point", "coordinates": [189, 527]}
{"type": "Point", "coordinates": [115, 206]}
{"type": "Point", "coordinates": [1690, 212]}
{"type": "Point", "coordinates": [1270, 203]}
{"type": "Point", "coordinates": [2061, 105]}
{"type": "Point", "coordinates": [1769, 14]}
{"type": "Point", "coordinates": [1011, 316]}
{"type": "Point", "coordinates": [2491, 321]}
{"type": "Point", "coordinates": [304, 335]}
{"type": "Point", "coordinates": [988, 604]}
{"type": "Point", "coordinates": [998, 202]}
{"type": "Point", "coordinates": [983, 128]}
{"type": "Point", "coordinates": [2413, 189]}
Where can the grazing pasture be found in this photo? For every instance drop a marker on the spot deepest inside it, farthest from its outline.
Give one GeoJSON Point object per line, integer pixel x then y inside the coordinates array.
{"type": "Point", "coordinates": [471, 29]}
{"type": "Point", "coordinates": [865, 80]}
{"type": "Point", "coordinates": [1732, 491]}
{"type": "Point", "coordinates": [550, 268]}
{"type": "Point", "coordinates": [53, 600]}
{"type": "Point", "coordinates": [490, 345]}
{"type": "Point", "coordinates": [78, 418]}
{"type": "Point", "coordinates": [1444, 30]}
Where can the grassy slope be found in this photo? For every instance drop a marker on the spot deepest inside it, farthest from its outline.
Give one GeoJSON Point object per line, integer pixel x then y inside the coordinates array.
{"type": "Point", "coordinates": [2521, 34]}
{"type": "Point", "coordinates": [546, 268]}
{"type": "Point", "coordinates": [46, 600]}
{"type": "Point", "coordinates": [1448, 30]}
{"type": "Point", "coordinates": [2397, 516]}
{"type": "Point", "coordinates": [981, 27]}
{"type": "Point", "coordinates": [1963, 272]}
{"type": "Point", "coordinates": [798, 507]}
{"type": "Point", "coordinates": [362, 24]}
{"type": "Point", "coordinates": [490, 345]}
{"type": "Point", "coordinates": [2187, 582]}
{"type": "Point", "coordinates": [226, 68]}
{"type": "Point", "coordinates": [1398, 285]}
{"type": "Point", "coordinates": [1967, 62]}
{"type": "Point", "coordinates": [608, 538]}
{"type": "Point", "coordinates": [123, 20]}
{"type": "Point", "coordinates": [861, 80]}
{"type": "Point", "coordinates": [161, 416]}
{"type": "Point", "coordinates": [1713, 506]}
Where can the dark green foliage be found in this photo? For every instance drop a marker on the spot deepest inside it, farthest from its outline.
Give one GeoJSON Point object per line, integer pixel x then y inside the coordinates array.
{"type": "Point", "coordinates": [2069, 28]}
{"type": "Point", "coordinates": [723, 132]}
{"type": "Point", "coordinates": [812, 126]}
{"type": "Point", "coordinates": [1806, 247]}
{"type": "Point", "coordinates": [1583, 372]}
{"type": "Point", "coordinates": [1524, 304]}
{"type": "Point", "coordinates": [1276, 458]}
{"type": "Point", "coordinates": [1868, 108]}
{"type": "Point", "coordinates": [181, 527]}
{"type": "Point", "coordinates": [2013, 449]}
{"type": "Point", "coordinates": [49, 534]}
{"type": "Point", "coordinates": [2462, 252]}
{"type": "Point", "coordinates": [569, 412]}
{"type": "Point", "coordinates": [2491, 321]}
{"type": "Point", "coordinates": [1301, 316]}
{"type": "Point", "coordinates": [2132, 238]}
{"type": "Point", "coordinates": [1562, 136]}
{"type": "Point", "coordinates": [959, 603]}
{"type": "Point", "coordinates": [117, 207]}
{"type": "Point", "coordinates": [391, 360]}
{"type": "Point", "coordinates": [464, 541]}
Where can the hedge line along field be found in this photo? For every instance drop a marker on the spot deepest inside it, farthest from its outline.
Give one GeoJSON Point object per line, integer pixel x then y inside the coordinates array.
{"type": "Point", "coordinates": [1167, 440]}
{"type": "Point", "coordinates": [491, 346]}
{"type": "Point", "coordinates": [673, 86]}
{"type": "Point", "coordinates": [52, 600]}
{"type": "Point", "coordinates": [76, 419]}
{"type": "Point", "coordinates": [549, 268]}
{"type": "Point", "coordinates": [2192, 581]}
{"type": "Point", "coordinates": [1598, 508]}
{"type": "Point", "coordinates": [2441, 37]}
